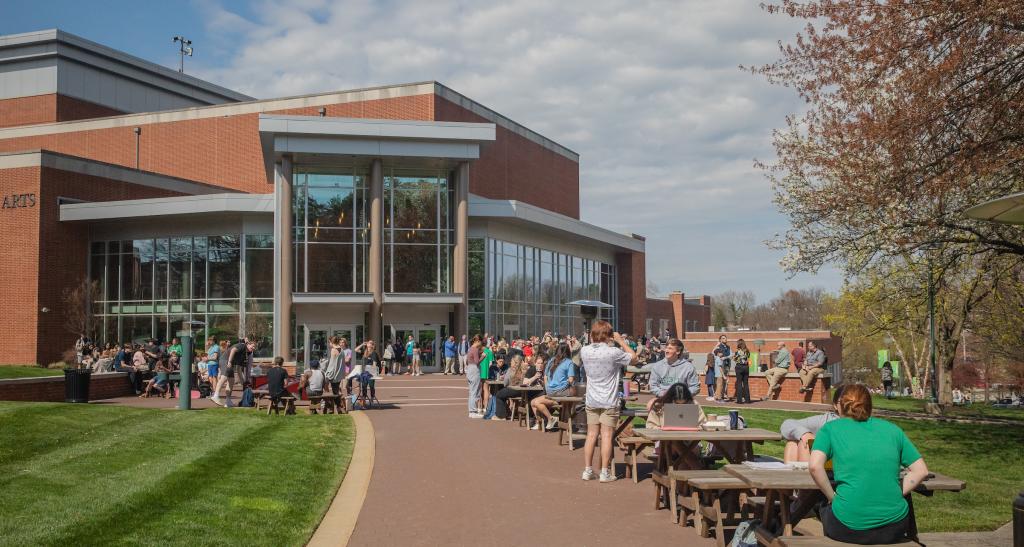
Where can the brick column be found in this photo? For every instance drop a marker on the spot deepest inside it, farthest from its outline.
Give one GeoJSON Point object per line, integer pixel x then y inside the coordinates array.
{"type": "Point", "coordinates": [678, 313]}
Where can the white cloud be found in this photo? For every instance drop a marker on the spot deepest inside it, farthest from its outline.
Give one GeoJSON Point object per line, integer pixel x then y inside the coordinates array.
{"type": "Point", "coordinates": [648, 92]}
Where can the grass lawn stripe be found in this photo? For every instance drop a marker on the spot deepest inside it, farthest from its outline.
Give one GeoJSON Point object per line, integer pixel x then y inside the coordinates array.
{"type": "Point", "coordinates": [177, 477]}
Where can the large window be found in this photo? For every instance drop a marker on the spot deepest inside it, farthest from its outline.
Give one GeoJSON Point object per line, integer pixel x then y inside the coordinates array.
{"type": "Point", "coordinates": [519, 290]}
{"type": "Point", "coordinates": [149, 286]}
{"type": "Point", "coordinates": [331, 235]}
{"type": "Point", "coordinates": [418, 232]}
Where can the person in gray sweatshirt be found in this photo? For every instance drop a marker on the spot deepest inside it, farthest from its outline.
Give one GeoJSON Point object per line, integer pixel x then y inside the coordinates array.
{"type": "Point", "coordinates": [673, 369]}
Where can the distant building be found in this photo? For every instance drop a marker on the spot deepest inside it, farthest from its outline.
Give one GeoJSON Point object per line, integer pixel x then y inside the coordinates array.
{"type": "Point", "coordinates": [678, 314]}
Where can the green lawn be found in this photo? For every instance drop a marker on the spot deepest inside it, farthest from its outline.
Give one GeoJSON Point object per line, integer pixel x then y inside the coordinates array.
{"type": "Point", "coordinates": [27, 371]}
{"type": "Point", "coordinates": [986, 457]}
{"type": "Point", "coordinates": [976, 410]}
{"type": "Point", "coordinates": [94, 474]}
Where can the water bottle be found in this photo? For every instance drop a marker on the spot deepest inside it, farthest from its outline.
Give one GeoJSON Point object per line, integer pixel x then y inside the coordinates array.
{"type": "Point", "coordinates": [625, 388]}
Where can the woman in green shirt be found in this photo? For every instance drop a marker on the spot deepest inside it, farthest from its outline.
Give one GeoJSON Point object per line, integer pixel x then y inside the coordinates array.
{"type": "Point", "coordinates": [868, 505]}
{"type": "Point", "coordinates": [485, 372]}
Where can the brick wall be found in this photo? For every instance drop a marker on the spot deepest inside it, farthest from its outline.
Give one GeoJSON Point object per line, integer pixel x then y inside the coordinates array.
{"type": "Point", "coordinates": [70, 108]}
{"type": "Point", "coordinates": [514, 167]}
{"type": "Point", "coordinates": [51, 389]}
{"type": "Point", "coordinates": [790, 388]}
{"type": "Point", "coordinates": [658, 309]}
{"type": "Point", "coordinates": [832, 345]}
{"type": "Point", "coordinates": [28, 110]}
{"type": "Point", "coordinates": [19, 268]}
{"type": "Point", "coordinates": [223, 151]}
{"type": "Point", "coordinates": [65, 249]}
{"type": "Point", "coordinates": [630, 270]}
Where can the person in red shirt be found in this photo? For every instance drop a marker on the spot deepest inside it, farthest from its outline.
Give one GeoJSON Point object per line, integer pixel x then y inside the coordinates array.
{"type": "Point", "coordinates": [798, 355]}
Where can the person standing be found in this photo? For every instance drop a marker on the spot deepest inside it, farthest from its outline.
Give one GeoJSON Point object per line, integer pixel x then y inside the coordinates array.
{"type": "Point", "coordinates": [389, 357]}
{"type": "Point", "coordinates": [411, 353]}
{"type": "Point", "coordinates": [722, 372]}
{"type": "Point", "coordinates": [463, 351]}
{"type": "Point", "coordinates": [777, 374]}
{"type": "Point", "coordinates": [451, 353]}
{"type": "Point", "coordinates": [237, 357]}
{"type": "Point", "coordinates": [813, 367]}
{"type": "Point", "coordinates": [473, 357]}
{"type": "Point", "coordinates": [741, 363]}
{"type": "Point", "coordinates": [335, 370]}
{"type": "Point", "coordinates": [887, 379]}
{"type": "Point", "coordinates": [604, 364]}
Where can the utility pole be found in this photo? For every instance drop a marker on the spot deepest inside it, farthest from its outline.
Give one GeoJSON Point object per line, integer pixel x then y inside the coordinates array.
{"type": "Point", "coordinates": [185, 48]}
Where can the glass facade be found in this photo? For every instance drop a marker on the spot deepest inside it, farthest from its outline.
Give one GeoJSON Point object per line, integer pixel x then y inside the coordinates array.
{"type": "Point", "coordinates": [419, 231]}
{"type": "Point", "coordinates": [149, 286]}
{"type": "Point", "coordinates": [331, 239]}
{"type": "Point", "coordinates": [519, 290]}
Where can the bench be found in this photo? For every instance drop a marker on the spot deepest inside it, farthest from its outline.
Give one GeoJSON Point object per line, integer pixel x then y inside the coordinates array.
{"type": "Point", "coordinates": [822, 541]}
{"type": "Point", "coordinates": [288, 402]}
{"type": "Point", "coordinates": [719, 501]}
{"type": "Point", "coordinates": [333, 403]}
{"type": "Point", "coordinates": [633, 447]}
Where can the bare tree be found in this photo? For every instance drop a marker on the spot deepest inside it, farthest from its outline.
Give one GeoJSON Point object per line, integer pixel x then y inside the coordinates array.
{"type": "Point", "coordinates": [78, 316]}
{"type": "Point", "coordinates": [652, 290]}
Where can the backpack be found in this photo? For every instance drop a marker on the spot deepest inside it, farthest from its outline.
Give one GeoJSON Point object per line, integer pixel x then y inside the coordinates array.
{"type": "Point", "coordinates": [247, 400]}
{"type": "Point", "coordinates": [205, 389]}
{"type": "Point", "coordinates": [389, 353]}
{"type": "Point", "coordinates": [744, 535]}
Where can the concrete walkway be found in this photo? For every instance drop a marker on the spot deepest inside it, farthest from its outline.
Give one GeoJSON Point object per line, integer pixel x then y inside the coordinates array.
{"type": "Point", "coordinates": [441, 478]}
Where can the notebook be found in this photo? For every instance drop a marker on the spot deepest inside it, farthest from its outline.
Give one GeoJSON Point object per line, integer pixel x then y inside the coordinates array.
{"type": "Point", "coordinates": [681, 417]}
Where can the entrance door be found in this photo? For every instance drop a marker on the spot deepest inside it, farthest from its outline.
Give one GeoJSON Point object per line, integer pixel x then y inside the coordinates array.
{"type": "Point", "coordinates": [316, 337]}
{"type": "Point", "coordinates": [429, 338]}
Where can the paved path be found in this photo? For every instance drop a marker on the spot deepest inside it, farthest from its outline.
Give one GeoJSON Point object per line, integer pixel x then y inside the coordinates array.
{"type": "Point", "coordinates": [441, 478]}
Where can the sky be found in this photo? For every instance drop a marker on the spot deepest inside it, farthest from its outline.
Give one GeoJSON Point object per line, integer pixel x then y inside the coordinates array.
{"type": "Point", "coordinates": [649, 93]}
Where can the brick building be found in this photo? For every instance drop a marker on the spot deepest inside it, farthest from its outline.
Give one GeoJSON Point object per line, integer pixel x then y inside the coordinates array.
{"type": "Point", "coordinates": [395, 211]}
{"type": "Point", "coordinates": [678, 314]}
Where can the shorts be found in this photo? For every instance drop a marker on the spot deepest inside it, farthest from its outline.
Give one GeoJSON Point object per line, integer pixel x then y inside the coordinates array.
{"type": "Point", "coordinates": [564, 392]}
{"type": "Point", "coordinates": [604, 416]}
{"type": "Point", "coordinates": [211, 371]}
{"type": "Point", "coordinates": [229, 372]}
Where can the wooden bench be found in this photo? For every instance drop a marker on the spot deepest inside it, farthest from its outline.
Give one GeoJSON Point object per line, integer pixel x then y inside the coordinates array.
{"type": "Point", "coordinates": [822, 541]}
{"type": "Point", "coordinates": [720, 502]}
{"type": "Point", "coordinates": [289, 405]}
{"type": "Point", "coordinates": [333, 403]}
{"type": "Point", "coordinates": [633, 447]}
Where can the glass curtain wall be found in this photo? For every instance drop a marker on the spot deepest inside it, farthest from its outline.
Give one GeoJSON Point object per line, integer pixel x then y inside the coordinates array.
{"type": "Point", "coordinates": [149, 286]}
{"type": "Point", "coordinates": [331, 238]}
{"type": "Point", "coordinates": [418, 231]}
{"type": "Point", "coordinates": [519, 290]}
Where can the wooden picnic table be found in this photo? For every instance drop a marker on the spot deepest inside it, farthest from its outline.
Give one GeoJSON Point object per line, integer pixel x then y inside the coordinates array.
{"type": "Point", "coordinates": [778, 484]}
{"type": "Point", "coordinates": [566, 405]}
{"type": "Point", "coordinates": [524, 392]}
{"type": "Point", "coordinates": [736, 445]}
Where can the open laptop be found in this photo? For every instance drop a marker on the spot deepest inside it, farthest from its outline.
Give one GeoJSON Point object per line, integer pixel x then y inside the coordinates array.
{"type": "Point", "coordinates": [680, 417]}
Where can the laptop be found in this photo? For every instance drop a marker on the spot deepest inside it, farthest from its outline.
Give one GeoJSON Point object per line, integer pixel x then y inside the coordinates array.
{"type": "Point", "coordinates": [680, 417]}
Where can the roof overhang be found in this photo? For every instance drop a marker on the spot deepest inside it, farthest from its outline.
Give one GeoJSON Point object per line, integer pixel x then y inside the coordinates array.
{"type": "Point", "coordinates": [316, 135]}
{"type": "Point", "coordinates": [162, 207]}
{"type": "Point", "coordinates": [1007, 210]}
{"type": "Point", "coordinates": [332, 298]}
{"type": "Point", "coordinates": [524, 213]}
{"type": "Point", "coordinates": [425, 298]}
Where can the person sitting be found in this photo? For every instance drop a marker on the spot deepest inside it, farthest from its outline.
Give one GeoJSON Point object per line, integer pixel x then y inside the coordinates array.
{"type": "Point", "coordinates": [160, 382]}
{"type": "Point", "coordinates": [814, 366]}
{"type": "Point", "coordinates": [277, 378]}
{"type": "Point", "coordinates": [561, 379]}
{"type": "Point", "coordinates": [799, 434]}
{"type": "Point", "coordinates": [674, 368]}
{"type": "Point", "coordinates": [517, 371]}
{"type": "Point", "coordinates": [675, 394]}
{"type": "Point", "coordinates": [104, 364]}
{"type": "Point", "coordinates": [313, 381]}
{"type": "Point", "coordinates": [868, 505]}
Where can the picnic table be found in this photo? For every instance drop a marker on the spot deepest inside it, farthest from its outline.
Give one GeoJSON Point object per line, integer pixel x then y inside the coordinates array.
{"type": "Point", "coordinates": [735, 444]}
{"type": "Point", "coordinates": [778, 484]}
{"type": "Point", "coordinates": [566, 404]}
{"type": "Point", "coordinates": [524, 392]}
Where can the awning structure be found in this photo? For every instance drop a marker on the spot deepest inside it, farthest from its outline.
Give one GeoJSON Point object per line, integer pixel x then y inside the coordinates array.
{"type": "Point", "coordinates": [590, 304]}
{"type": "Point", "coordinates": [1007, 210]}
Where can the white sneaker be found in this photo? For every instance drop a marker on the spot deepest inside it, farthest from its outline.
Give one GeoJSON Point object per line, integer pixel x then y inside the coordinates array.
{"type": "Point", "coordinates": [606, 476]}
{"type": "Point", "coordinates": [710, 399]}
{"type": "Point", "coordinates": [588, 474]}
{"type": "Point", "coordinates": [552, 425]}
{"type": "Point", "coordinates": [216, 400]}
{"type": "Point", "coordinates": [535, 426]}
{"type": "Point", "coordinates": [475, 416]}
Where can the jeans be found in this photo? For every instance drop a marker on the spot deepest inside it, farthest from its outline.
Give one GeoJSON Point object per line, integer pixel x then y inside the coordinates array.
{"type": "Point", "coordinates": [473, 378]}
{"type": "Point", "coordinates": [742, 387]}
{"type": "Point", "coordinates": [890, 533]}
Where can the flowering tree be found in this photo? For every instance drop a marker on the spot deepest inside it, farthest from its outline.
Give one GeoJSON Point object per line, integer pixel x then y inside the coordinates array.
{"type": "Point", "coordinates": [915, 113]}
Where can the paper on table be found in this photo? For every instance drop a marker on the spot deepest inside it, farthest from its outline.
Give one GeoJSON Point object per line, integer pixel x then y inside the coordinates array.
{"type": "Point", "coordinates": [767, 465]}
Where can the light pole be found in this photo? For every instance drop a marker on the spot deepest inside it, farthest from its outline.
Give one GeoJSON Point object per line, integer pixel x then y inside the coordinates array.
{"type": "Point", "coordinates": [185, 368]}
{"type": "Point", "coordinates": [931, 329]}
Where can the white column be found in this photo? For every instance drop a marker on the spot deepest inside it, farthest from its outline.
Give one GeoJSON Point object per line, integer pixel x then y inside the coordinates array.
{"type": "Point", "coordinates": [283, 258]}
{"type": "Point", "coordinates": [460, 281]}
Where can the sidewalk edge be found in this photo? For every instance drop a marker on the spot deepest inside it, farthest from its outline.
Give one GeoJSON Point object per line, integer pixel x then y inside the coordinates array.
{"type": "Point", "coordinates": [340, 521]}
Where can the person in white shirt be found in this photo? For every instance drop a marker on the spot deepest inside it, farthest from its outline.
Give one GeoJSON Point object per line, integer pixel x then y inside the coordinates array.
{"type": "Point", "coordinates": [603, 364]}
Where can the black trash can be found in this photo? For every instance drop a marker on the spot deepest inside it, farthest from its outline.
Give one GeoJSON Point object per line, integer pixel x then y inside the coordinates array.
{"type": "Point", "coordinates": [76, 385]}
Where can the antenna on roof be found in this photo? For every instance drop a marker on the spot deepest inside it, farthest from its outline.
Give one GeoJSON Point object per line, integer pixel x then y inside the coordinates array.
{"type": "Point", "coordinates": [184, 49]}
